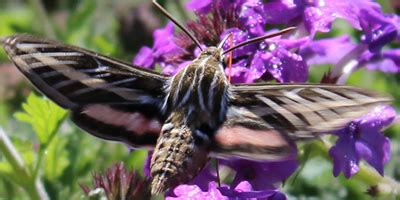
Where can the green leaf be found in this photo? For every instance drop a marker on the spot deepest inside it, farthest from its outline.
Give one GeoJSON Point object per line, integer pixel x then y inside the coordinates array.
{"type": "Point", "coordinates": [44, 116]}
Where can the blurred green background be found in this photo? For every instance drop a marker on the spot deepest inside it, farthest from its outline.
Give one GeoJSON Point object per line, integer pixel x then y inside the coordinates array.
{"type": "Point", "coordinates": [118, 29]}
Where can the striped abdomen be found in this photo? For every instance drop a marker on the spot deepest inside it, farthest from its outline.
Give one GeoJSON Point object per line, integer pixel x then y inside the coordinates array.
{"type": "Point", "coordinates": [179, 154]}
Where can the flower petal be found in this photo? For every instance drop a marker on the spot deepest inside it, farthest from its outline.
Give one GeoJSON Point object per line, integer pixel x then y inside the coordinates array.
{"type": "Point", "coordinates": [252, 17]}
{"type": "Point", "coordinates": [285, 66]}
{"type": "Point", "coordinates": [144, 58]}
{"type": "Point", "coordinates": [200, 6]}
{"type": "Point", "coordinates": [194, 192]}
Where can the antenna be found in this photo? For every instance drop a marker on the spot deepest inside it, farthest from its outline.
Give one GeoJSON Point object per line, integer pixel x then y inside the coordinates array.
{"type": "Point", "coordinates": [166, 13]}
{"type": "Point", "coordinates": [257, 39]}
{"type": "Point", "coordinates": [224, 40]}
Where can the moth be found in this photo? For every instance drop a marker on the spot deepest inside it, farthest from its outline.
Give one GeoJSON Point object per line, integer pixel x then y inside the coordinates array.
{"type": "Point", "coordinates": [186, 117]}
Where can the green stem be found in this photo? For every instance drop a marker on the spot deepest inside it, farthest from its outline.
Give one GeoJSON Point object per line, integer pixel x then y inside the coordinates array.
{"type": "Point", "coordinates": [33, 186]}
{"type": "Point", "coordinates": [43, 18]}
{"type": "Point", "coordinates": [42, 151]}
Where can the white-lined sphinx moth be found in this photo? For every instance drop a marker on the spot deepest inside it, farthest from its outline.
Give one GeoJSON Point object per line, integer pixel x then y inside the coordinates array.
{"type": "Point", "coordinates": [186, 116]}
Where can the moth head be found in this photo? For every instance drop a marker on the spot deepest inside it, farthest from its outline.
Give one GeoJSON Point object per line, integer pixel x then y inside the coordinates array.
{"type": "Point", "coordinates": [213, 52]}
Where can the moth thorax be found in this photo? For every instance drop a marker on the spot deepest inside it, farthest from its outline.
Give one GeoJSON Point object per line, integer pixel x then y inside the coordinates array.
{"type": "Point", "coordinates": [178, 157]}
{"type": "Point", "coordinates": [213, 52]}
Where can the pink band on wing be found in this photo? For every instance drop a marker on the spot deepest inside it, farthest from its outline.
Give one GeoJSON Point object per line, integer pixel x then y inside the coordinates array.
{"type": "Point", "coordinates": [135, 121]}
{"type": "Point", "coordinates": [238, 135]}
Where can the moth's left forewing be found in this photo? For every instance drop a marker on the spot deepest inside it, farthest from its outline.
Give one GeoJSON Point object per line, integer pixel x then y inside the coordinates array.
{"type": "Point", "coordinates": [108, 98]}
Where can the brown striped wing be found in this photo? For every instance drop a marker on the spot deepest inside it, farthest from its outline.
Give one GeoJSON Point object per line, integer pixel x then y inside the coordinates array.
{"type": "Point", "coordinates": [303, 111]}
{"type": "Point", "coordinates": [102, 93]}
{"type": "Point", "coordinates": [264, 119]}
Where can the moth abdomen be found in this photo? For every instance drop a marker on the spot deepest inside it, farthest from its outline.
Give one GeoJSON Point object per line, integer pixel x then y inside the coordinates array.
{"type": "Point", "coordinates": [178, 155]}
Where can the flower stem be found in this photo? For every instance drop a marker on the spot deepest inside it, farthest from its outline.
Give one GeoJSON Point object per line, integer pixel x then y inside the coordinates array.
{"type": "Point", "coordinates": [32, 185]}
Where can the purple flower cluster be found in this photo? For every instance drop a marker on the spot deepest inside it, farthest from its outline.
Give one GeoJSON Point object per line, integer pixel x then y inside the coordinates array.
{"type": "Point", "coordinates": [287, 58]}
{"type": "Point", "coordinates": [363, 139]}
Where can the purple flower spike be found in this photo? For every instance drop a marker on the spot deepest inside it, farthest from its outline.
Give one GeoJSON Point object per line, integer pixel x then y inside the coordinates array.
{"type": "Point", "coordinates": [363, 139]}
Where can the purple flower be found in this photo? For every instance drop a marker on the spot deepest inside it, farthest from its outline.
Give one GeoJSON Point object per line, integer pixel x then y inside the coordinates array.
{"type": "Point", "coordinates": [252, 17]}
{"type": "Point", "coordinates": [327, 51]}
{"type": "Point", "coordinates": [244, 190]}
{"type": "Point", "coordinates": [165, 51]}
{"type": "Point", "coordinates": [283, 65]}
{"type": "Point", "coordinates": [379, 29]}
{"type": "Point", "coordinates": [213, 191]}
{"type": "Point", "coordinates": [347, 56]}
{"type": "Point", "coordinates": [253, 180]}
{"type": "Point", "coordinates": [269, 60]}
{"type": "Point", "coordinates": [144, 58]}
{"type": "Point", "coordinates": [238, 36]}
{"type": "Point", "coordinates": [262, 175]}
{"type": "Point", "coordinates": [387, 61]}
{"type": "Point", "coordinates": [195, 192]}
{"type": "Point", "coordinates": [363, 139]}
{"type": "Point", "coordinates": [164, 45]}
{"type": "Point", "coordinates": [317, 15]}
